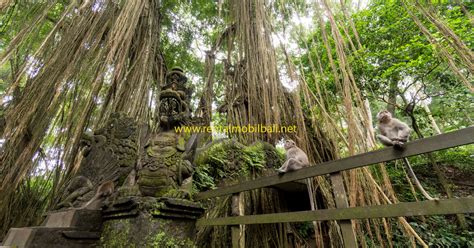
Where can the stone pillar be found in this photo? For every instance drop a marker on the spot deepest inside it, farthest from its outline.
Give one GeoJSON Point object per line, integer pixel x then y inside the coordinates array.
{"type": "Point", "coordinates": [150, 222]}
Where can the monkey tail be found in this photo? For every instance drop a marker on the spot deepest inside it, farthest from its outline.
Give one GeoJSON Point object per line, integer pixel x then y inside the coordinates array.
{"type": "Point", "coordinates": [417, 182]}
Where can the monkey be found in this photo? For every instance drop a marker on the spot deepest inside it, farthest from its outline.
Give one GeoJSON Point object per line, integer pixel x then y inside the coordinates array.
{"type": "Point", "coordinates": [394, 132]}
{"type": "Point", "coordinates": [103, 191]}
{"type": "Point", "coordinates": [295, 158]}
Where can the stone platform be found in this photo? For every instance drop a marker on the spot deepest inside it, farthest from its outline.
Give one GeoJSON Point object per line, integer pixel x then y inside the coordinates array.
{"type": "Point", "coordinates": [66, 228]}
{"type": "Point", "coordinates": [149, 221]}
{"type": "Point", "coordinates": [127, 222]}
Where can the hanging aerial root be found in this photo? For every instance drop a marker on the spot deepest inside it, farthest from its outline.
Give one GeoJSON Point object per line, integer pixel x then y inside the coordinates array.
{"type": "Point", "coordinates": [416, 181]}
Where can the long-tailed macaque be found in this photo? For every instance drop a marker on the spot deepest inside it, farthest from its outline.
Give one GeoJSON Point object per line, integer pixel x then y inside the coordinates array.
{"type": "Point", "coordinates": [394, 132]}
{"type": "Point", "coordinates": [295, 158]}
{"type": "Point", "coordinates": [103, 191]}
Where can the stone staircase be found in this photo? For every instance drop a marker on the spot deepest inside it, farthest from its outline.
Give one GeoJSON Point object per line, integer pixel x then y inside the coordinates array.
{"type": "Point", "coordinates": [65, 228]}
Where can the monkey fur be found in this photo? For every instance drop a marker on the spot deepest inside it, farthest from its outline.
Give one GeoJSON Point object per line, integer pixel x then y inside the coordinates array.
{"type": "Point", "coordinates": [295, 158]}
{"type": "Point", "coordinates": [394, 132]}
{"type": "Point", "coordinates": [103, 191]}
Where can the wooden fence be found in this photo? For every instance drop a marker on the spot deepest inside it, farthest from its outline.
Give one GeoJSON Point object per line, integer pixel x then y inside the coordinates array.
{"type": "Point", "coordinates": [342, 213]}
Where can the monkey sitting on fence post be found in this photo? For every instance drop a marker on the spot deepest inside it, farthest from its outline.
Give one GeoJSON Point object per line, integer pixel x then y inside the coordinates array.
{"type": "Point", "coordinates": [295, 158]}
{"type": "Point", "coordinates": [394, 132]}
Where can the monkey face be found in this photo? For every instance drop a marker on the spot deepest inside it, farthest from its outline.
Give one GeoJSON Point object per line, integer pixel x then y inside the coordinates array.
{"type": "Point", "coordinates": [384, 116]}
{"type": "Point", "coordinates": [289, 144]}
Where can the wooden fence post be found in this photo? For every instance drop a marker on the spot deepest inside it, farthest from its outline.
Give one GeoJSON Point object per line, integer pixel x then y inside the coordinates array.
{"type": "Point", "coordinates": [340, 198]}
{"type": "Point", "coordinates": [235, 229]}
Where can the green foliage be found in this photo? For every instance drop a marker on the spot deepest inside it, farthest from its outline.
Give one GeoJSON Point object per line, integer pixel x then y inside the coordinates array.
{"type": "Point", "coordinates": [455, 111]}
{"type": "Point", "coordinates": [460, 157]}
{"type": "Point", "coordinates": [437, 231]}
{"type": "Point", "coordinates": [17, 17]}
{"type": "Point", "coordinates": [253, 157]}
{"type": "Point", "coordinates": [397, 56]}
{"type": "Point", "coordinates": [160, 240]}
{"type": "Point", "coordinates": [232, 160]}
{"type": "Point", "coordinates": [202, 179]}
{"type": "Point", "coordinates": [116, 238]}
{"type": "Point", "coordinates": [305, 229]}
{"type": "Point", "coordinates": [394, 53]}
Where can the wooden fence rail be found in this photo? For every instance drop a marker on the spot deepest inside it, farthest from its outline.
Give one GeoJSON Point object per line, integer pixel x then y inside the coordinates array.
{"type": "Point", "coordinates": [431, 144]}
{"type": "Point", "coordinates": [342, 213]}
{"type": "Point", "coordinates": [450, 206]}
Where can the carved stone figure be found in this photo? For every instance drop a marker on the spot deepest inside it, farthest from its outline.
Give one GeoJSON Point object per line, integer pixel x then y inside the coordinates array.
{"type": "Point", "coordinates": [166, 164]}
{"type": "Point", "coordinates": [78, 187]}
{"type": "Point", "coordinates": [132, 187]}
{"type": "Point", "coordinates": [162, 210]}
{"type": "Point", "coordinates": [110, 154]}
{"type": "Point", "coordinates": [174, 100]}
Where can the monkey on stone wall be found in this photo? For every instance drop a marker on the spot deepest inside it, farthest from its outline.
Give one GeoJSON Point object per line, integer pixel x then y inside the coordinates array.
{"type": "Point", "coordinates": [394, 132]}
{"type": "Point", "coordinates": [103, 191]}
{"type": "Point", "coordinates": [295, 158]}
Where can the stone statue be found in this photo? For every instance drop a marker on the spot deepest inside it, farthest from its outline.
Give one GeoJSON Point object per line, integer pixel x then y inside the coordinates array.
{"type": "Point", "coordinates": [110, 154]}
{"type": "Point", "coordinates": [167, 169]}
{"type": "Point", "coordinates": [157, 207]}
{"type": "Point", "coordinates": [138, 182]}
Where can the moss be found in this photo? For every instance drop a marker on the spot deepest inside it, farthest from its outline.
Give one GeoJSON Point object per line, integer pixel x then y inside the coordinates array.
{"type": "Point", "coordinates": [153, 207]}
{"type": "Point", "coordinates": [121, 179]}
{"type": "Point", "coordinates": [129, 191]}
{"type": "Point", "coordinates": [160, 240]}
{"type": "Point", "coordinates": [171, 192]}
{"type": "Point", "coordinates": [157, 209]}
{"type": "Point", "coordinates": [274, 157]}
{"type": "Point", "coordinates": [116, 237]}
{"type": "Point", "coordinates": [231, 159]}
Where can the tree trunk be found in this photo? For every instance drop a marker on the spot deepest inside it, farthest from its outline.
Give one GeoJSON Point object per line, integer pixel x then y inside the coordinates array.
{"type": "Point", "coordinates": [392, 96]}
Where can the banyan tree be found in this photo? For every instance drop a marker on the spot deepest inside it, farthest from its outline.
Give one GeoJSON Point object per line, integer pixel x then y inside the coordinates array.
{"type": "Point", "coordinates": [96, 91]}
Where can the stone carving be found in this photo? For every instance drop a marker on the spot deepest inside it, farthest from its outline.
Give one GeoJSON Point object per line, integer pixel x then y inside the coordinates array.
{"type": "Point", "coordinates": [151, 175]}
{"type": "Point", "coordinates": [174, 100]}
{"type": "Point", "coordinates": [110, 154]}
{"type": "Point", "coordinates": [167, 169]}
{"type": "Point", "coordinates": [78, 187]}
{"type": "Point", "coordinates": [162, 213]}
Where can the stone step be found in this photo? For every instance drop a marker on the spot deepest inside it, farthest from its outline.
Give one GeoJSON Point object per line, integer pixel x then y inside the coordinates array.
{"type": "Point", "coordinates": [63, 228]}
{"type": "Point", "coordinates": [81, 235]}
{"type": "Point", "coordinates": [18, 236]}
{"type": "Point", "coordinates": [84, 219]}
{"type": "Point", "coordinates": [51, 237]}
